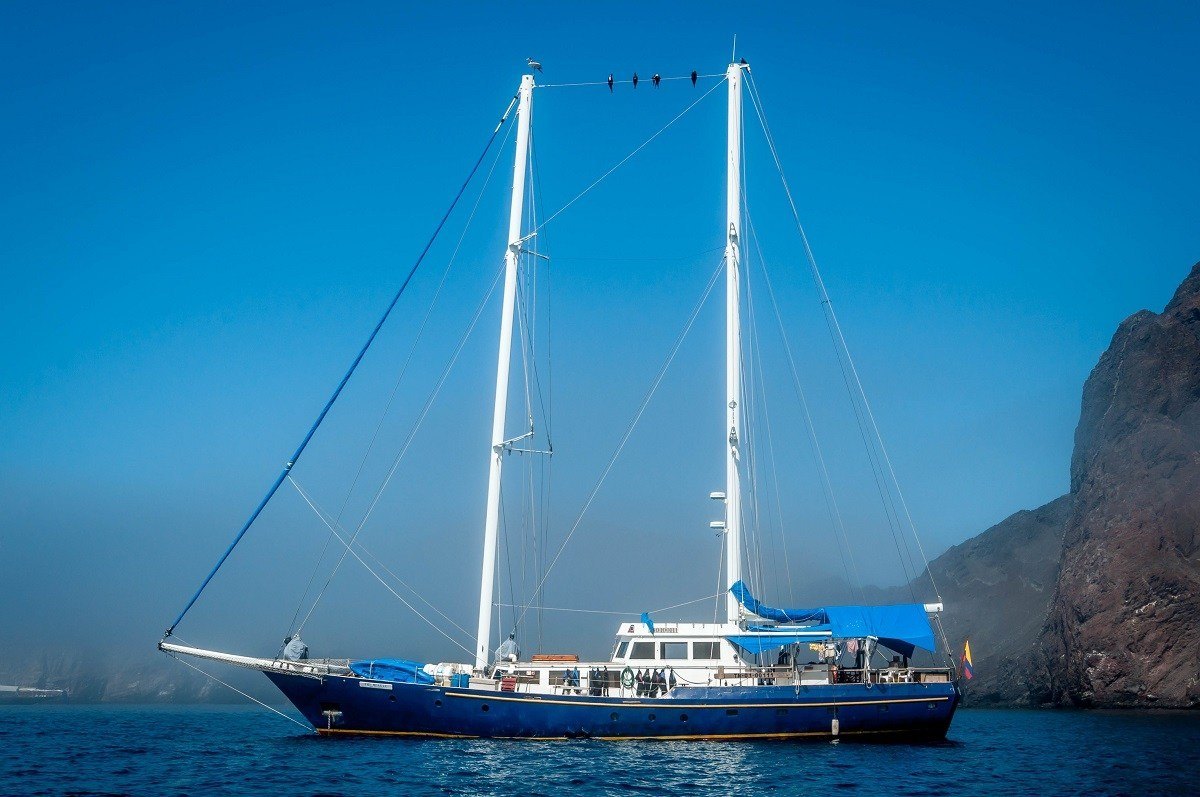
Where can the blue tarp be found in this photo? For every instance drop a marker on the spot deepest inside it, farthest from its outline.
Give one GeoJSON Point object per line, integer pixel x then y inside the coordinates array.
{"type": "Point", "coordinates": [397, 670]}
{"type": "Point", "coordinates": [901, 627]}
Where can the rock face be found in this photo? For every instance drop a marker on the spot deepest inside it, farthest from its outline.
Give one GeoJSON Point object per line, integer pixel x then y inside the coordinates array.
{"type": "Point", "coordinates": [997, 588]}
{"type": "Point", "coordinates": [1124, 625]}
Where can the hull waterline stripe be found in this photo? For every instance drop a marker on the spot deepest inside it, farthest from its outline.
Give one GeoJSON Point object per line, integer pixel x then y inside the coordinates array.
{"type": "Point", "coordinates": [563, 738]}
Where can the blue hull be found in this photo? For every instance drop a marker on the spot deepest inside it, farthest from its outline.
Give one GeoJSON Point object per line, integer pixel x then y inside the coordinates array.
{"type": "Point", "coordinates": [343, 705]}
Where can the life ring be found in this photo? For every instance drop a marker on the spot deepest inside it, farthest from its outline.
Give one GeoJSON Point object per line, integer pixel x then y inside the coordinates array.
{"type": "Point", "coordinates": [627, 677]}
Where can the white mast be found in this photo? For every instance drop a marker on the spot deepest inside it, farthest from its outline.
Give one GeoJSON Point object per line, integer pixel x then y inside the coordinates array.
{"type": "Point", "coordinates": [733, 343]}
{"type": "Point", "coordinates": [492, 523]}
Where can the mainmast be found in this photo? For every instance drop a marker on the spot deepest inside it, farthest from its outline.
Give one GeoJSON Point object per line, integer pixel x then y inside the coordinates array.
{"type": "Point", "coordinates": [499, 441]}
{"type": "Point", "coordinates": [733, 343]}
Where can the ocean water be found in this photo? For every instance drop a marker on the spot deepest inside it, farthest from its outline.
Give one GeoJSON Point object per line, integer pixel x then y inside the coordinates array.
{"type": "Point", "coordinates": [246, 750]}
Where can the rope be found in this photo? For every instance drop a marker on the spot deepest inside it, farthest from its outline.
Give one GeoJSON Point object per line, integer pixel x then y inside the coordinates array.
{"type": "Point", "coordinates": [272, 709]}
{"type": "Point", "coordinates": [756, 358]}
{"type": "Point", "coordinates": [346, 378]}
{"type": "Point", "coordinates": [628, 433]}
{"type": "Point", "coordinates": [363, 562]}
{"type": "Point", "coordinates": [621, 162]}
{"type": "Point", "coordinates": [617, 614]}
{"type": "Point", "coordinates": [408, 441]}
{"type": "Point", "coordinates": [622, 82]}
{"type": "Point", "coordinates": [836, 327]}
{"type": "Point", "coordinates": [831, 505]}
{"type": "Point", "coordinates": [403, 370]}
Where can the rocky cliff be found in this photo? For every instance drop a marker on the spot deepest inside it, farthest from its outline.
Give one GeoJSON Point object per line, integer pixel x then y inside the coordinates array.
{"type": "Point", "coordinates": [1124, 624]}
{"type": "Point", "coordinates": [997, 588]}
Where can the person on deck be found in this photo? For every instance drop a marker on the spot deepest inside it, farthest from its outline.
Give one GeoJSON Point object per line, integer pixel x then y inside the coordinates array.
{"type": "Point", "coordinates": [605, 681]}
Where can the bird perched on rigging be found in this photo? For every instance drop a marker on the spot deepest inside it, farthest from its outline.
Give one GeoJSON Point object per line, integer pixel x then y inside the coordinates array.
{"type": "Point", "coordinates": [534, 64]}
{"type": "Point", "coordinates": [635, 80]}
{"type": "Point", "coordinates": [610, 82]}
{"type": "Point", "coordinates": [656, 79]}
{"type": "Point", "coordinates": [694, 76]}
{"type": "Point", "coordinates": [744, 62]}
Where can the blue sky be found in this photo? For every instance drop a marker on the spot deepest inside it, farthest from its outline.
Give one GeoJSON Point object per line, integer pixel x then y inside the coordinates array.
{"type": "Point", "coordinates": [203, 208]}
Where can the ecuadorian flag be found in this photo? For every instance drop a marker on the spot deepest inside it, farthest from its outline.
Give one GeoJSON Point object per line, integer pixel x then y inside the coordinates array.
{"type": "Point", "coordinates": [968, 667]}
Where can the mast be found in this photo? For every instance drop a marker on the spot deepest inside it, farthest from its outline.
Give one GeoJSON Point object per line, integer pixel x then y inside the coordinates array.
{"type": "Point", "coordinates": [492, 522]}
{"type": "Point", "coordinates": [733, 344]}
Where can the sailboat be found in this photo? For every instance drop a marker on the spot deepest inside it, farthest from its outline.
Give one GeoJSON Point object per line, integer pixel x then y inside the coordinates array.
{"type": "Point", "coordinates": [760, 672]}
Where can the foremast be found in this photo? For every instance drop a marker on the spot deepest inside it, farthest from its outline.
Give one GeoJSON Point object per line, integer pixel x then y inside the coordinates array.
{"type": "Point", "coordinates": [733, 344]}
{"type": "Point", "coordinates": [499, 441]}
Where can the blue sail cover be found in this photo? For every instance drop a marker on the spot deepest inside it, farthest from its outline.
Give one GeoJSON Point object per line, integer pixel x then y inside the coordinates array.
{"type": "Point", "coordinates": [901, 627]}
{"type": "Point", "coordinates": [396, 670]}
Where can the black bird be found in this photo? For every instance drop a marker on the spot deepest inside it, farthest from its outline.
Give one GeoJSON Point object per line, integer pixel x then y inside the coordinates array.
{"type": "Point", "coordinates": [694, 76]}
{"type": "Point", "coordinates": [535, 64]}
{"type": "Point", "coordinates": [635, 79]}
{"type": "Point", "coordinates": [744, 62]}
{"type": "Point", "coordinates": [610, 82]}
{"type": "Point", "coordinates": [656, 79]}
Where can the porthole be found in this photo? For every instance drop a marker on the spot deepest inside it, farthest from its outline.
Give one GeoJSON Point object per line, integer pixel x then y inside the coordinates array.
{"type": "Point", "coordinates": [652, 718]}
{"type": "Point", "coordinates": [613, 716]}
{"type": "Point", "coordinates": [683, 717]}
{"type": "Point", "coordinates": [484, 707]}
{"type": "Point", "coordinates": [391, 698]}
{"type": "Point", "coordinates": [437, 703]}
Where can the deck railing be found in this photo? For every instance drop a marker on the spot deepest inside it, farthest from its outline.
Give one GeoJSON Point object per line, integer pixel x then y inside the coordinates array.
{"type": "Point", "coordinates": [528, 681]}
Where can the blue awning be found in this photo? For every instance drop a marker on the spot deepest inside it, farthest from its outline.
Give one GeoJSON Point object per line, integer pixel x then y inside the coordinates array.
{"type": "Point", "coordinates": [901, 627]}
{"type": "Point", "coordinates": [762, 643]}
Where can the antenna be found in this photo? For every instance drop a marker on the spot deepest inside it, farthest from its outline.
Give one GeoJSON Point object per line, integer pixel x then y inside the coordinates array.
{"type": "Point", "coordinates": [733, 56]}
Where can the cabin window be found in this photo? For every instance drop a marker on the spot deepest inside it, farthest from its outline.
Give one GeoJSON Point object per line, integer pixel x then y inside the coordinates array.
{"type": "Point", "coordinates": [674, 650]}
{"type": "Point", "coordinates": [622, 646]}
{"type": "Point", "coordinates": [706, 650]}
{"type": "Point", "coordinates": [642, 650]}
{"type": "Point", "coordinates": [557, 677]}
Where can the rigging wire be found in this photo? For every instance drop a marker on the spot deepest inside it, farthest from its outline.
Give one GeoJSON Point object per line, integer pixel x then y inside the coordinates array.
{"type": "Point", "coordinates": [615, 613]}
{"type": "Point", "coordinates": [272, 709]}
{"type": "Point", "coordinates": [346, 378]}
{"type": "Point", "coordinates": [630, 429]}
{"type": "Point", "coordinates": [408, 440]}
{"type": "Point", "coordinates": [845, 551]}
{"type": "Point", "coordinates": [545, 464]}
{"type": "Point", "coordinates": [620, 82]}
{"type": "Point", "coordinates": [622, 162]}
{"type": "Point", "coordinates": [771, 447]}
{"type": "Point", "coordinates": [403, 371]}
{"type": "Point", "coordinates": [757, 387]}
{"type": "Point", "coordinates": [836, 327]}
{"type": "Point", "coordinates": [350, 550]}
